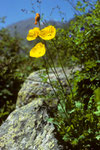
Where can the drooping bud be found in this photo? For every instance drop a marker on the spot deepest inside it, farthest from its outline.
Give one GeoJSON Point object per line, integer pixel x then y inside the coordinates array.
{"type": "Point", "coordinates": [37, 18]}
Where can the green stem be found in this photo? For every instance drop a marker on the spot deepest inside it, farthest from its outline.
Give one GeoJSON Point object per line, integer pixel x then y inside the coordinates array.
{"type": "Point", "coordinates": [56, 74]}
{"type": "Point", "coordinates": [63, 69]}
{"type": "Point", "coordinates": [53, 87]}
{"type": "Point", "coordinates": [55, 71]}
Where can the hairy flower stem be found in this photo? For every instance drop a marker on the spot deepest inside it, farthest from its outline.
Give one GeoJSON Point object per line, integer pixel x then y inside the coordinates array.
{"type": "Point", "coordinates": [63, 69]}
{"type": "Point", "coordinates": [62, 88]}
{"type": "Point", "coordinates": [52, 86]}
{"type": "Point", "coordinates": [55, 71]}
{"type": "Point", "coordinates": [49, 77]}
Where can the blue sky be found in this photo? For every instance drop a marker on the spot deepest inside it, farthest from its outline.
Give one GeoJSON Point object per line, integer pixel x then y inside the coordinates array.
{"type": "Point", "coordinates": [12, 10]}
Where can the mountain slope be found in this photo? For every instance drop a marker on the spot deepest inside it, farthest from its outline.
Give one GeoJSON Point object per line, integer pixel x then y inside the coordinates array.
{"type": "Point", "coordinates": [23, 27]}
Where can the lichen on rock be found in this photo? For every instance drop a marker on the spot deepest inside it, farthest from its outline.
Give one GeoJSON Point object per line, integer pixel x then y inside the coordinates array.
{"type": "Point", "coordinates": [33, 87]}
{"type": "Point", "coordinates": [26, 128]}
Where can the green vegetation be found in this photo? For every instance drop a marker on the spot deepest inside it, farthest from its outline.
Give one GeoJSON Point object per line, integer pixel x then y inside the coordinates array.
{"type": "Point", "coordinates": [15, 66]}
{"type": "Point", "coordinates": [77, 118]}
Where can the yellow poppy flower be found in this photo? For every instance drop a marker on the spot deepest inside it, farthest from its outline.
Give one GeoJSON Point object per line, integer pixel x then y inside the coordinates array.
{"type": "Point", "coordinates": [38, 50]}
{"type": "Point", "coordinates": [33, 33]}
{"type": "Point", "coordinates": [48, 33]}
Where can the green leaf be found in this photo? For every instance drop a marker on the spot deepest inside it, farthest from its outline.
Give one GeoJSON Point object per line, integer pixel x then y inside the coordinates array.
{"type": "Point", "coordinates": [68, 128]}
{"type": "Point", "coordinates": [4, 114]}
{"type": "Point", "coordinates": [78, 104]}
{"type": "Point", "coordinates": [98, 61]}
{"type": "Point", "coordinates": [70, 112]}
{"type": "Point", "coordinates": [74, 142]}
{"type": "Point", "coordinates": [50, 120]}
{"type": "Point", "coordinates": [98, 137]}
{"type": "Point", "coordinates": [66, 137]}
{"type": "Point", "coordinates": [97, 113]}
{"type": "Point", "coordinates": [81, 137]}
{"type": "Point", "coordinates": [97, 95]}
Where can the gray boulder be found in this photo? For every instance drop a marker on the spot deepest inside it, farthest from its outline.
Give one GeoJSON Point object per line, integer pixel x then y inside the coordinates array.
{"type": "Point", "coordinates": [27, 128]}
{"type": "Point", "coordinates": [34, 86]}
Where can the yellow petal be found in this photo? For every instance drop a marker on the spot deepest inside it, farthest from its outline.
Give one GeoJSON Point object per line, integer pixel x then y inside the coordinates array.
{"type": "Point", "coordinates": [48, 33]}
{"type": "Point", "coordinates": [33, 33]}
{"type": "Point", "coordinates": [38, 50]}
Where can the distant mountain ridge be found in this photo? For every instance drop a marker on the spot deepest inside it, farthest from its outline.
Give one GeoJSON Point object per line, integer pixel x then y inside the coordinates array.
{"type": "Point", "coordinates": [22, 27]}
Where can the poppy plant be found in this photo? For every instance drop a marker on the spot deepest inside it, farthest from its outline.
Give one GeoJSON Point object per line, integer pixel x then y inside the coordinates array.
{"type": "Point", "coordinates": [47, 33]}
{"type": "Point", "coordinates": [37, 18]}
{"type": "Point", "coordinates": [33, 34]}
{"type": "Point", "coordinates": [38, 50]}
